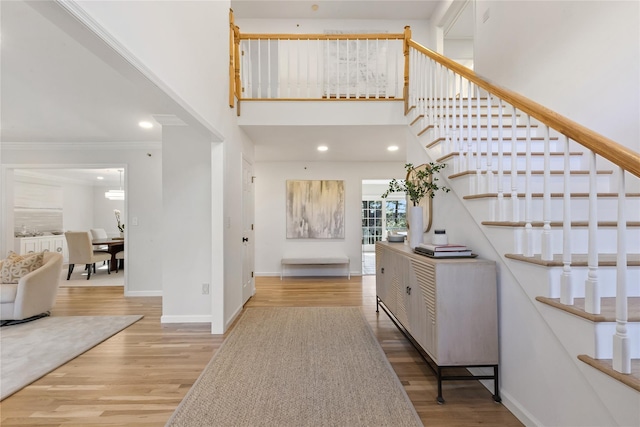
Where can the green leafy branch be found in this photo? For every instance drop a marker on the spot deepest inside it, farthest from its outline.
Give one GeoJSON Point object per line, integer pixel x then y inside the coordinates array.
{"type": "Point", "coordinates": [422, 182]}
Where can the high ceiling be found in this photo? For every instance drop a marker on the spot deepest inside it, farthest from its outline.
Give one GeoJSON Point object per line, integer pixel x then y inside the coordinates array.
{"type": "Point", "coordinates": [68, 86]}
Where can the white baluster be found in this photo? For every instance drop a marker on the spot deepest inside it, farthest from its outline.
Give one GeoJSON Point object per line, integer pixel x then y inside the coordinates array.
{"type": "Point", "coordinates": [469, 164]}
{"type": "Point", "coordinates": [454, 128]}
{"type": "Point", "coordinates": [318, 72]}
{"type": "Point", "coordinates": [347, 89]}
{"type": "Point", "coordinates": [478, 143]}
{"type": "Point", "coordinates": [566, 280]}
{"type": "Point", "coordinates": [528, 208]}
{"type": "Point", "coordinates": [248, 82]}
{"type": "Point", "coordinates": [592, 289]}
{"type": "Point", "coordinates": [500, 208]}
{"type": "Point", "coordinates": [515, 207]}
{"type": "Point", "coordinates": [259, 93]}
{"type": "Point", "coordinates": [621, 351]}
{"type": "Point", "coordinates": [308, 78]}
{"type": "Point", "coordinates": [377, 70]}
{"type": "Point", "coordinates": [447, 129]}
{"type": "Point", "coordinates": [546, 251]}
{"type": "Point", "coordinates": [269, 88]}
{"type": "Point", "coordinates": [489, 177]}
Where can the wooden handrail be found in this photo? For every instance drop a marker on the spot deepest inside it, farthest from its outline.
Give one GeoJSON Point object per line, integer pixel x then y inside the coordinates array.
{"type": "Point", "coordinates": [622, 156]}
{"type": "Point", "coordinates": [382, 36]}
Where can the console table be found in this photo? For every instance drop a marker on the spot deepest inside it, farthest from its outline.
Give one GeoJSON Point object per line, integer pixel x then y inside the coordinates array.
{"type": "Point", "coordinates": [447, 308]}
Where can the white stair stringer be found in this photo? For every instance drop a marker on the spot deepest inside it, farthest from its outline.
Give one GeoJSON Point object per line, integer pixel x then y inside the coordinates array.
{"type": "Point", "coordinates": [592, 382]}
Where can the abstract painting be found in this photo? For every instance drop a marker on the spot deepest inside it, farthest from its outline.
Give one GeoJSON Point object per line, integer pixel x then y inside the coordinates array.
{"type": "Point", "coordinates": [315, 209]}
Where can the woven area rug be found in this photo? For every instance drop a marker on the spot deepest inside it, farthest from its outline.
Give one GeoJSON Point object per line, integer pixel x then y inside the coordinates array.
{"type": "Point", "coordinates": [31, 350]}
{"type": "Point", "coordinates": [298, 367]}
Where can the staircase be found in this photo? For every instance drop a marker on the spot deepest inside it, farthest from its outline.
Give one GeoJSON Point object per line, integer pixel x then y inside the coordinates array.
{"type": "Point", "coordinates": [527, 187]}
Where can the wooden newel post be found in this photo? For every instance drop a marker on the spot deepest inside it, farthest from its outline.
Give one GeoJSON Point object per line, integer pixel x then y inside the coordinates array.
{"type": "Point", "coordinates": [405, 89]}
{"type": "Point", "coordinates": [236, 60]}
{"type": "Point", "coordinates": [231, 58]}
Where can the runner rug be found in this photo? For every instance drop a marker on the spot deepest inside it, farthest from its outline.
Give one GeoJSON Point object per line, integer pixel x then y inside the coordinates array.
{"type": "Point", "coordinates": [298, 366]}
{"type": "Point", "coordinates": [31, 350]}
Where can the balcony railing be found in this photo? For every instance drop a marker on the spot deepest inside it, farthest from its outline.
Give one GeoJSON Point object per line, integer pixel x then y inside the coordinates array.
{"type": "Point", "coordinates": [316, 66]}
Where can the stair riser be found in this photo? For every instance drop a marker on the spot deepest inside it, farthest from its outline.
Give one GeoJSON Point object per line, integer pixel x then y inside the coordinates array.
{"type": "Point", "coordinates": [445, 147]}
{"type": "Point", "coordinates": [607, 280]}
{"type": "Point", "coordinates": [607, 209]}
{"type": "Point", "coordinates": [604, 332]}
{"type": "Point", "coordinates": [441, 122]}
{"type": "Point", "coordinates": [579, 183]}
{"type": "Point", "coordinates": [537, 162]}
{"type": "Point", "coordinates": [606, 237]}
{"type": "Point", "coordinates": [581, 336]}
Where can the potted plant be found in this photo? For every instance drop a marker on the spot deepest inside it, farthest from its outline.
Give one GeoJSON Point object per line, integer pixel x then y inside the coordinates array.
{"type": "Point", "coordinates": [419, 184]}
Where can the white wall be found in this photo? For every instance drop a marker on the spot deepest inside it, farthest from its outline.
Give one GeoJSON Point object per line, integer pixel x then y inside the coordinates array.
{"type": "Point", "coordinates": [271, 241]}
{"type": "Point", "coordinates": [143, 190]}
{"type": "Point", "coordinates": [180, 42]}
{"type": "Point", "coordinates": [579, 58]}
{"type": "Point", "coordinates": [419, 28]}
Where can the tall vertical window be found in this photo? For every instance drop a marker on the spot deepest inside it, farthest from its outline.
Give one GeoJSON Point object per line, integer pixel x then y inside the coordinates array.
{"type": "Point", "coordinates": [372, 221]}
{"type": "Point", "coordinates": [396, 215]}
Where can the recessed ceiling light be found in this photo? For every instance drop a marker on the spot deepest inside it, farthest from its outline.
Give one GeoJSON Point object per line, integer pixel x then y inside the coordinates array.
{"type": "Point", "coordinates": [100, 177]}
{"type": "Point", "coordinates": [392, 148]}
{"type": "Point", "coordinates": [145, 125]}
{"type": "Point", "coordinates": [322, 148]}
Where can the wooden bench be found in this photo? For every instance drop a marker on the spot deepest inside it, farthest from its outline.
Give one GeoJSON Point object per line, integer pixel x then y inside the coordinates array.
{"type": "Point", "coordinates": [335, 260]}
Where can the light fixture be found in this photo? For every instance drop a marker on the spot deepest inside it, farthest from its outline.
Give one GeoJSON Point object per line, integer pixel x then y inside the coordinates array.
{"type": "Point", "coordinates": [116, 194]}
{"type": "Point", "coordinates": [392, 148]}
{"type": "Point", "coordinates": [322, 148]}
{"type": "Point", "coordinates": [145, 125]}
{"type": "Point", "coordinates": [100, 178]}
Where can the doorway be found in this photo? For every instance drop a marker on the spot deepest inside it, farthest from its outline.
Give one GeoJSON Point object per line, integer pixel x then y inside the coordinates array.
{"type": "Point", "coordinates": [379, 218]}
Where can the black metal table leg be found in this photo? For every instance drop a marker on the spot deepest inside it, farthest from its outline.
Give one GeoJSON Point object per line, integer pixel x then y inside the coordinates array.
{"type": "Point", "coordinates": [496, 388]}
{"type": "Point", "coordinates": [440, 399]}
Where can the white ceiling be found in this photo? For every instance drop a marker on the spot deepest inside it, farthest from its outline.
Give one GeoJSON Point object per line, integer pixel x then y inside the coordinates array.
{"type": "Point", "coordinates": [61, 83]}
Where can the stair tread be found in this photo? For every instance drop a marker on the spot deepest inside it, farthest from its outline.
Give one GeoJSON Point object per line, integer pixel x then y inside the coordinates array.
{"type": "Point", "coordinates": [533, 172]}
{"type": "Point", "coordinates": [508, 154]}
{"type": "Point", "coordinates": [494, 138]}
{"type": "Point", "coordinates": [556, 223]}
{"type": "Point", "coordinates": [606, 366]}
{"type": "Point", "coordinates": [554, 195]}
{"type": "Point", "coordinates": [577, 260]}
{"type": "Point", "coordinates": [607, 308]}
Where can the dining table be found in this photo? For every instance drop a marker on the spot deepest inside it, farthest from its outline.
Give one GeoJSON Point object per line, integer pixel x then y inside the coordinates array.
{"type": "Point", "coordinates": [114, 245]}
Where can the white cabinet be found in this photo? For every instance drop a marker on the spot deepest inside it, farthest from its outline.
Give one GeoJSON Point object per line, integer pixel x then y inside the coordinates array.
{"type": "Point", "coordinates": [25, 245]}
{"type": "Point", "coordinates": [447, 306]}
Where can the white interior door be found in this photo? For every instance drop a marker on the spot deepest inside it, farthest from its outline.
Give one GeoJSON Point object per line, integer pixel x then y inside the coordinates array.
{"type": "Point", "coordinates": [248, 283]}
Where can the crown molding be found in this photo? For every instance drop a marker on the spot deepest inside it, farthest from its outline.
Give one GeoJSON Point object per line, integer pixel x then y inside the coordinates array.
{"type": "Point", "coordinates": [143, 145]}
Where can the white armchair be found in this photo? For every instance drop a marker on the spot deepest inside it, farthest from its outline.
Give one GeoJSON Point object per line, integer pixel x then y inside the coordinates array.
{"type": "Point", "coordinates": [35, 292]}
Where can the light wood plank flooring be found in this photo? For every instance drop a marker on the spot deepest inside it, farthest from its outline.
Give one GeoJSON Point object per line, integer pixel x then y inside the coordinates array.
{"type": "Point", "coordinates": [139, 376]}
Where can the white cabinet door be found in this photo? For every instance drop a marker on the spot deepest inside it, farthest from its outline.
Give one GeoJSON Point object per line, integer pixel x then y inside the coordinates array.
{"type": "Point", "coordinates": [29, 245]}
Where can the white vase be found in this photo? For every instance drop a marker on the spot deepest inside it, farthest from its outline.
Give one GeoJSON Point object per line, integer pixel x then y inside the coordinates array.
{"type": "Point", "coordinates": [416, 227]}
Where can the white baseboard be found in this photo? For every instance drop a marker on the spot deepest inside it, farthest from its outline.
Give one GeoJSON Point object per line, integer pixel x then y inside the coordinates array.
{"type": "Point", "coordinates": [186, 319]}
{"type": "Point", "coordinates": [143, 293]}
{"type": "Point", "coordinates": [233, 318]}
{"type": "Point", "coordinates": [518, 410]}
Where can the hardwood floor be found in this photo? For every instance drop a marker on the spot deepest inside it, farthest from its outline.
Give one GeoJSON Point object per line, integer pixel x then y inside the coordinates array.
{"type": "Point", "coordinates": [139, 376]}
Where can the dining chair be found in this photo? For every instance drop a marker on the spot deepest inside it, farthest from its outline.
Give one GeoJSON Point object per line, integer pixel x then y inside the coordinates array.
{"type": "Point", "coordinates": [81, 252]}
{"type": "Point", "coordinates": [99, 234]}
{"type": "Point", "coordinates": [119, 260]}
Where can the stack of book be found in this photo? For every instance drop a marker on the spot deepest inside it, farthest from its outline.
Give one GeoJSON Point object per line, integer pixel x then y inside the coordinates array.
{"type": "Point", "coordinates": [443, 251]}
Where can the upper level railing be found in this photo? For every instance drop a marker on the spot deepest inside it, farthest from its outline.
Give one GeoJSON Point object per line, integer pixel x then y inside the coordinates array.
{"type": "Point", "coordinates": [316, 66]}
